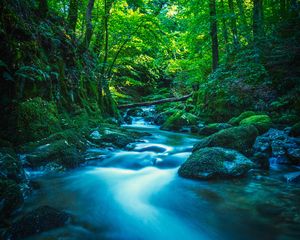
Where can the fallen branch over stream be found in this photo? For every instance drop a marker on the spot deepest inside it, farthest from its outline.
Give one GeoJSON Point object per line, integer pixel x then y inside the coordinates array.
{"type": "Point", "coordinates": [156, 102]}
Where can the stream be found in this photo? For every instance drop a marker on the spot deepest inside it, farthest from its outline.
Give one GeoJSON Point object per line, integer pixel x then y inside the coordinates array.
{"type": "Point", "coordinates": [137, 194]}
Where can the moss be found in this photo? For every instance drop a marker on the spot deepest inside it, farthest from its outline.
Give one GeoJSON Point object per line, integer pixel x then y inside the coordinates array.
{"type": "Point", "coordinates": [118, 139]}
{"type": "Point", "coordinates": [37, 119]}
{"type": "Point", "coordinates": [242, 116]}
{"type": "Point", "coordinates": [239, 138]}
{"type": "Point", "coordinates": [179, 119]}
{"type": "Point", "coordinates": [286, 119]}
{"type": "Point", "coordinates": [213, 128]}
{"type": "Point", "coordinates": [295, 131]}
{"type": "Point", "coordinates": [261, 122]}
{"type": "Point", "coordinates": [10, 197]}
{"type": "Point", "coordinates": [59, 151]}
{"type": "Point", "coordinates": [215, 162]}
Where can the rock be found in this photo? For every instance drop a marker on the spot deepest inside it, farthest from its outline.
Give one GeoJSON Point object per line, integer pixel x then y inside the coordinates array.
{"type": "Point", "coordinates": [215, 163]}
{"type": "Point", "coordinates": [10, 165]}
{"type": "Point", "coordinates": [262, 160]}
{"type": "Point", "coordinates": [295, 130]}
{"type": "Point", "coordinates": [117, 139]}
{"type": "Point", "coordinates": [242, 116]}
{"type": "Point", "coordinates": [287, 119]}
{"type": "Point", "coordinates": [238, 138]}
{"type": "Point", "coordinates": [58, 151]}
{"type": "Point", "coordinates": [39, 220]}
{"type": "Point", "coordinates": [11, 197]}
{"type": "Point", "coordinates": [178, 120]}
{"type": "Point", "coordinates": [95, 135]}
{"type": "Point", "coordinates": [293, 177]}
{"type": "Point", "coordinates": [278, 146]}
{"type": "Point", "coordinates": [213, 128]}
{"type": "Point", "coordinates": [261, 122]}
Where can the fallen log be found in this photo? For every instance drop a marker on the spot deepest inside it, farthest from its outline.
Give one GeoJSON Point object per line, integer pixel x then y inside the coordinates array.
{"type": "Point", "coordinates": [156, 102]}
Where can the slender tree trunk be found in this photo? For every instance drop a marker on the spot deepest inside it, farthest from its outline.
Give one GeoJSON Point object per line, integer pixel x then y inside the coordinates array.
{"type": "Point", "coordinates": [89, 26]}
{"type": "Point", "coordinates": [244, 27]}
{"type": "Point", "coordinates": [73, 14]}
{"type": "Point", "coordinates": [214, 34]}
{"type": "Point", "coordinates": [225, 31]}
{"type": "Point", "coordinates": [258, 23]}
{"type": "Point", "coordinates": [233, 24]}
{"type": "Point", "coordinates": [43, 7]}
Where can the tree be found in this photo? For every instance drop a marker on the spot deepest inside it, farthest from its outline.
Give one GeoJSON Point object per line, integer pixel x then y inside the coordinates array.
{"type": "Point", "coordinates": [233, 24]}
{"type": "Point", "coordinates": [258, 23]}
{"type": "Point", "coordinates": [89, 26]}
{"type": "Point", "coordinates": [214, 34]}
{"type": "Point", "coordinates": [73, 14]}
{"type": "Point", "coordinates": [43, 7]}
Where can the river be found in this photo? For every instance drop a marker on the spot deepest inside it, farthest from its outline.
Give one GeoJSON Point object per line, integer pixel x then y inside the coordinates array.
{"type": "Point", "coordinates": [137, 194]}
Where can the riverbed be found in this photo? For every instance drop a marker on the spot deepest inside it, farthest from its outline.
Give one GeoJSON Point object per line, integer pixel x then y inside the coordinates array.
{"type": "Point", "coordinates": [137, 194]}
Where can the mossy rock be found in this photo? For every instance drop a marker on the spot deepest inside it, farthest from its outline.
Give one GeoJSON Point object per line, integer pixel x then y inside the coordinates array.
{"type": "Point", "coordinates": [11, 197]}
{"type": "Point", "coordinates": [239, 138]}
{"type": "Point", "coordinates": [37, 119]}
{"type": "Point", "coordinates": [287, 119]}
{"type": "Point", "coordinates": [261, 122]}
{"type": "Point", "coordinates": [179, 119]}
{"type": "Point", "coordinates": [213, 128]}
{"type": "Point", "coordinates": [59, 151]}
{"type": "Point", "coordinates": [236, 120]}
{"type": "Point", "coordinates": [215, 163]}
{"type": "Point", "coordinates": [295, 131]}
{"type": "Point", "coordinates": [117, 139]}
{"type": "Point", "coordinates": [10, 165]}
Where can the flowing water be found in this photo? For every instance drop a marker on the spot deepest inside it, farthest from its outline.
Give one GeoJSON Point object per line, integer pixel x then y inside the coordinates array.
{"type": "Point", "coordinates": [137, 194]}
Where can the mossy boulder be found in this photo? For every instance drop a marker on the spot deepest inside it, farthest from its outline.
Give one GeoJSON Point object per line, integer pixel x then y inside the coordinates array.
{"type": "Point", "coordinates": [236, 120]}
{"type": "Point", "coordinates": [39, 220]}
{"type": "Point", "coordinates": [178, 120]}
{"type": "Point", "coordinates": [261, 122]}
{"type": "Point", "coordinates": [213, 128]}
{"type": "Point", "coordinates": [118, 139]}
{"type": "Point", "coordinates": [215, 163]}
{"type": "Point", "coordinates": [239, 138]}
{"type": "Point", "coordinates": [59, 151]}
{"type": "Point", "coordinates": [10, 165]}
{"type": "Point", "coordinates": [37, 119]}
{"type": "Point", "coordinates": [11, 197]}
{"type": "Point", "coordinates": [286, 119]}
{"type": "Point", "coordinates": [295, 131]}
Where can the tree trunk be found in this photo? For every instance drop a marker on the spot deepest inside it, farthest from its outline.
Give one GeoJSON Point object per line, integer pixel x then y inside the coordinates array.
{"type": "Point", "coordinates": [225, 31]}
{"type": "Point", "coordinates": [244, 25]}
{"type": "Point", "coordinates": [258, 24]}
{"type": "Point", "coordinates": [73, 14]}
{"type": "Point", "coordinates": [214, 34]}
{"type": "Point", "coordinates": [89, 26]}
{"type": "Point", "coordinates": [43, 8]}
{"type": "Point", "coordinates": [233, 24]}
{"type": "Point", "coordinates": [174, 99]}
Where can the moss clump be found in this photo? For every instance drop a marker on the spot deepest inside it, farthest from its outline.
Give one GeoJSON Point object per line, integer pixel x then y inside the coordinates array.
{"type": "Point", "coordinates": [287, 119]}
{"type": "Point", "coordinates": [295, 131]}
{"type": "Point", "coordinates": [37, 119]}
{"type": "Point", "coordinates": [261, 122]}
{"type": "Point", "coordinates": [242, 116]}
{"type": "Point", "coordinates": [239, 138]}
{"type": "Point", "coordinates": [10, 197]}
{"type": "Point", "coordinates": [214, 162]}
{"type": "Point", "coordinates": [59, 151]}
{"type": "Point", "coordinates": [179, 119]}
{"type": "Point", "coordinates": [213, 128]}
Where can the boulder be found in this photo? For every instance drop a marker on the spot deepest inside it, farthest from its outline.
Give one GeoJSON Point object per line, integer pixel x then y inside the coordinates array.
{"type": "Point", "coordinates": [11, 198]}
{"type": "Point", "coordinates": [293, 177]}
{"type": "Point", "coordinates": [215, 163]}
{"type": "Point", "coordinates": [59, 151]}
{"type": "Point", "coordinates": [236, 120]}
{"type": "Point", "coordinates": [238, 138]}
{"type": "Point", "coordinates": [118, 139]}
{"type": "Point", "coordinates": [295, 131]}
{"type": "Point", "coordinates": [39, 220]}
{"type": "Point", "coordinates": [10, 165]}
{"type": "Point", "coordinates": [213, 128]}
{"type": "Point", "coordinates": [261, 122]}
{"type": "Point", "coordinates": [178, 120]}
{"type": "Point", "coordinates": [278, 147]}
